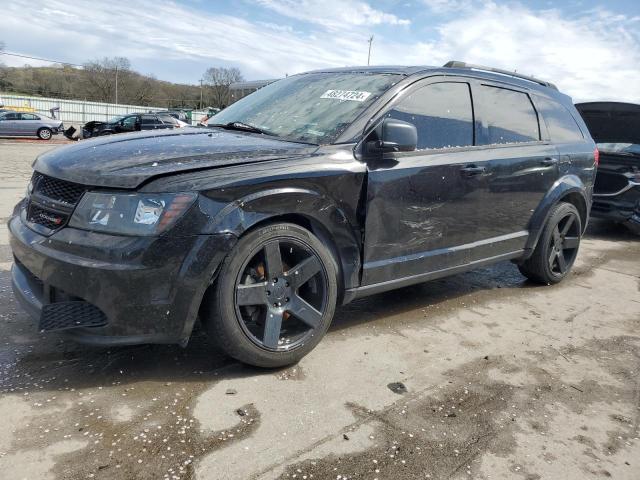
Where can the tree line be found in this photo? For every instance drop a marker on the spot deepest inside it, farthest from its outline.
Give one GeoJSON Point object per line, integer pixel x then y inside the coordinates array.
{"type": "Point", "coordinates": [96, 81]}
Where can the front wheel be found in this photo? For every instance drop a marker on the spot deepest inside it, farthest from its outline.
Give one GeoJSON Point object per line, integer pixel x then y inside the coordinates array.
{"type": "Point", "coordinates": [557, 247]}
{"type": "Point", "coordinates": [274, 297]}
{"type": "Point", "coordinates": [45, 134]}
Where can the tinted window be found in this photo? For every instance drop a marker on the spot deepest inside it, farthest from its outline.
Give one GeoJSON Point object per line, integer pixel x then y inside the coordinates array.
{"type": "Point", "coordinates": [29, 116]}
{"type": "Point", "coordinates": [150, 120]}
{"type": "Point", "coordinates": [11, 116]}
{"type": "Point", "coordinates": [130, 121]}
{"type": "Point", "coordinates": [168, 119]}
{"type": "Point", "coordinates": [442, 114]}
{"type": "Point", "coordinates": [561, 124]}
{"type": "Point", "coordinates": [507, 116]}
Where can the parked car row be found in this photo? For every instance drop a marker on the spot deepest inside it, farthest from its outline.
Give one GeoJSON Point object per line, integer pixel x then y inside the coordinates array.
{"type": "Point", "coordinates": [21, 124]}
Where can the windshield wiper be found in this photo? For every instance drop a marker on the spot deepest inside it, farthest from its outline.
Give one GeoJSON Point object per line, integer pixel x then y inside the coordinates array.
{"type": "Point", "coordinates": [245, 127]}
{"type": "Point", "coordinates": [242, 126]}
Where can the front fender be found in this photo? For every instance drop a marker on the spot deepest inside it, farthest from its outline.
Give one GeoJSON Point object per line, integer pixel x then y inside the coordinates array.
{"type": "Point", "coordinates": [569, 186]}
{"type": "Point", "coordinates": [328, 220]}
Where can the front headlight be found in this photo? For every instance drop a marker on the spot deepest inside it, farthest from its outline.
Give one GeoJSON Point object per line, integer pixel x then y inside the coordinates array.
{"type": "Point", "coordinates": [130, 214]}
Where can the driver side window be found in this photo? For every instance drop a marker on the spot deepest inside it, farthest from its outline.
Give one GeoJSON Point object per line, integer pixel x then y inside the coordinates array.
{"type": "Point", "coordinates": [442, 114]}
{"type": "Point", "coordinates": [129, 121]}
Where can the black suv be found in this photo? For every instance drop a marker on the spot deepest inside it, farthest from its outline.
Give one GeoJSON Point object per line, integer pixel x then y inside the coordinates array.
{"type": "Point", "coordinates": [129, 123]}
{"type": "Point", "coordinates": [313, 191]}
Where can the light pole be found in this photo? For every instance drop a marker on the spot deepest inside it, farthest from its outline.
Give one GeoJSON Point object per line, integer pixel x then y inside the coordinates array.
{"type": "Point", "coordinates": [369, 56]}
{"type": "Point", "coordinates": [116, 84]}
{"type": "Point", "coordinates": [201, 80]}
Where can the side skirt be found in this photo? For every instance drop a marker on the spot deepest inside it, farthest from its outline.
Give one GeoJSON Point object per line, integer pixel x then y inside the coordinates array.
{"type": "Point", "coordinates": [364, 291]}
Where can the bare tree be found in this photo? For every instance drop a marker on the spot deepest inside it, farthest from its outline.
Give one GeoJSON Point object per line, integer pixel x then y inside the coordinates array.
{"type": "Point", "coordinates": [218, 80]}
{"type": "Point", "coordinates": [103, 76]}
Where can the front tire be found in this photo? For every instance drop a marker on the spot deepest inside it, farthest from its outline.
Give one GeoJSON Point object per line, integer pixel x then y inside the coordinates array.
{"type": "Point", "coordinates": [557, 247]}
{"type": "Point", "coordinates": [45, 134]}
{"type": "Point", "coordinates": [274, 297]}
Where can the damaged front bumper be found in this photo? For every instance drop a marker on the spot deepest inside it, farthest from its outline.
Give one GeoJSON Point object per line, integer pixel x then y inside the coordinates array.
{"type": "Point", "coordinates": [113, 290]}
{"type": "Point", "coordinates": [618, 197]}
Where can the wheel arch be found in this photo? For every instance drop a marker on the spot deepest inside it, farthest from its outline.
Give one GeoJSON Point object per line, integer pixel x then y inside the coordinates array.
{"type": "Point", "coordinates": [569, 189]}
{"type": "Point", "coordinates": [306, 208]}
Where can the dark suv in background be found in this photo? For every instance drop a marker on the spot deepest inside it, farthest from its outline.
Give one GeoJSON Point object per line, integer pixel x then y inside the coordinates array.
{"type": "Point", "coordinates": [134, 122]}
{"type": "Point", "coordinates": [615, 126]}
{"type": "Point", "coordinates": [313, 191]}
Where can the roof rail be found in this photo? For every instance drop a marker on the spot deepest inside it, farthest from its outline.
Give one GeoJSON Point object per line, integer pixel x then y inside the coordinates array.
{"type": "Point", "coordinates": [457, 64]}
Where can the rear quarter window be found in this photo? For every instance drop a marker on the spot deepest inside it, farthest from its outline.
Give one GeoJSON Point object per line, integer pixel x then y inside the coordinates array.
{"type": "Point", "coordinates": [562, 126]}
{"type": "Point", "coordinates": [507, 116]}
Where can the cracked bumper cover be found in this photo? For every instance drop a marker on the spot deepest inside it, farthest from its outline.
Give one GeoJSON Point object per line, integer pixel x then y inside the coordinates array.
{"type": "Point", "coordinates": [622, 207]}
{"type": "Point", "coordinates": [149, 288]}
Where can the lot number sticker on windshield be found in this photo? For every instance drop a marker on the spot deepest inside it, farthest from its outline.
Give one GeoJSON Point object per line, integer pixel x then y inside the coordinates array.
{"type": "Point", "coordinates": [353, 95]}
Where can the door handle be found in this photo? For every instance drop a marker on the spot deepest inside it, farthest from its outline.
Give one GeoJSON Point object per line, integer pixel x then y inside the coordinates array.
{"type": "Point", "coordinates": [471, 170]}
{"type": "Point", "coordinates": [549, 161]}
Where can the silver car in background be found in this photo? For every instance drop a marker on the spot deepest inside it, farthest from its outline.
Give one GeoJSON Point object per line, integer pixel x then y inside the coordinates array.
{"type": "Point", "coordinates": [23, 124]}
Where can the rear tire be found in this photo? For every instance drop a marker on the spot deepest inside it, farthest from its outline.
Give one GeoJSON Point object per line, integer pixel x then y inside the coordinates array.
{"type": "Point", "coordinates": [45, 133]}
{"type": "Point", "coordinates": [274, 297]}
{"type": "Point", "coordinates": [557, 247]}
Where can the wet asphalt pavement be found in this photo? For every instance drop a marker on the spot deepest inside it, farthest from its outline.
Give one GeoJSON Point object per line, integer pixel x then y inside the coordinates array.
{"type": "Point", "coordinates": [480, 375]}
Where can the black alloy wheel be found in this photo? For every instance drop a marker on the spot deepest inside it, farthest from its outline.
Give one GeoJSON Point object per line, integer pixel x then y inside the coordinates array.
{"type": "Point", "coordinates": [274, 296]}
{"type": "Point", "coordinates": [557, 247]}
{"type": "Point", "coordinates": [564, 242]}
{"type": "Point", "coordinates": [281, 294]}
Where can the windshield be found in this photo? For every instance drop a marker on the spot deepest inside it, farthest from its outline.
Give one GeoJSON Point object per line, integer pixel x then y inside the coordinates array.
{"type": "Point", "coordinates": [116, 119]}
{"type": "Point", "coordinates": [625, 148]}
{"type": "Point", "coordinates": [313, 107]}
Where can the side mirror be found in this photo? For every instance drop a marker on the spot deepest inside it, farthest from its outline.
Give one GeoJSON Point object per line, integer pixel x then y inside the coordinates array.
{"type": "Point", "coordinates": [395, 136]}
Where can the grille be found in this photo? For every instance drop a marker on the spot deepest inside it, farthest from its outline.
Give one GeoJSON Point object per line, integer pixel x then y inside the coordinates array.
{"type": "Point", "coordinates": [59, 190]}
{"type": "Point", "coordinates": [64, 315]}
{"type": "Point", "coordinates": [46, 218]}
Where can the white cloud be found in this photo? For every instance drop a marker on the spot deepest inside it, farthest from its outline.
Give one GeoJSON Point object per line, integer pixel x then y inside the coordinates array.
{"type": "Point", "coordinates": [333, 14]}
{"type": "Point", "coordinates": [589, 55]}
{"type": "Point", "coordinates": [595, 55]}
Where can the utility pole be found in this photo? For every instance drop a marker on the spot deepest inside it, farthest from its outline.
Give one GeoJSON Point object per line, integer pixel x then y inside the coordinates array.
{"type": "Point", "coordinates": [116, 84]}
{"type": "Point", "coordinates": [369, 56]}
{"type": "Point", "coordinates": [201, 80]}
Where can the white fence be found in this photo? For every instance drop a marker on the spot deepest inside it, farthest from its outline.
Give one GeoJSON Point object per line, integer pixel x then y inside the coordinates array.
{"type": "Point", "coordinates": [80, 112]}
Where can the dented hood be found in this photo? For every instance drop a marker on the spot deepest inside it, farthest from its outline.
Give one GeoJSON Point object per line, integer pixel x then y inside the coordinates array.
{"type": "Point", "coordinates": [128, 160]}
{"type": "Point", "coordinates": [612, 122]}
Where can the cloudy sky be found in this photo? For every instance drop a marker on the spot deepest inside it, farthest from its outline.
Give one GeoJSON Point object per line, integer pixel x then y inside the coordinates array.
{"type": "Point", "coordinates": [590, 49]}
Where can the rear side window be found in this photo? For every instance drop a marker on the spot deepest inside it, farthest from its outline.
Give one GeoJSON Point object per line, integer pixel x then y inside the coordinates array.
{"type": "Point", "coordinates": [168, 119]}
{"type": "Point", "coordinates": [29, 116]}
{"type": "Point", "coordinates": [507, 116]}
{"type": "Point", "coordinates": [442, 114]}
{"type": "Point", "coordinates": [561, 124]}
{"type": "Point", "coordinates": [150, 120]}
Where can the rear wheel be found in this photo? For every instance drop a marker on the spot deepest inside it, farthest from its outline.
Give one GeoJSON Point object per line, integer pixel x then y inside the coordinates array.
{"type": "Point", "coordinates": [274, 297]}
{"type": "Point", "coordinates": [557, 247]}
{"type": "Point", "coordinates": [45, 133]}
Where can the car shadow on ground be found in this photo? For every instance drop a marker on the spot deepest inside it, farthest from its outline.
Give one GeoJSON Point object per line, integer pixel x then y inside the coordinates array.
{"type": "Point", "coordinates": [49, 362]}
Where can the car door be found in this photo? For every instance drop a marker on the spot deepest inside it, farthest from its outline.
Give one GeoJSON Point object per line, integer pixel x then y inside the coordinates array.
{"type": "Point", "coordinates": [128, 124]}
{"type": "Point", "coordinates": [426, 208]}
{"type": "Point", "coordinates": [9, 123]}
{"type": "Point", "coordinates": [524, 164]}
{"type": "Point", "coordinates": [29, 124]}
{"type": "Point", "coordinates": [150, 122]}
